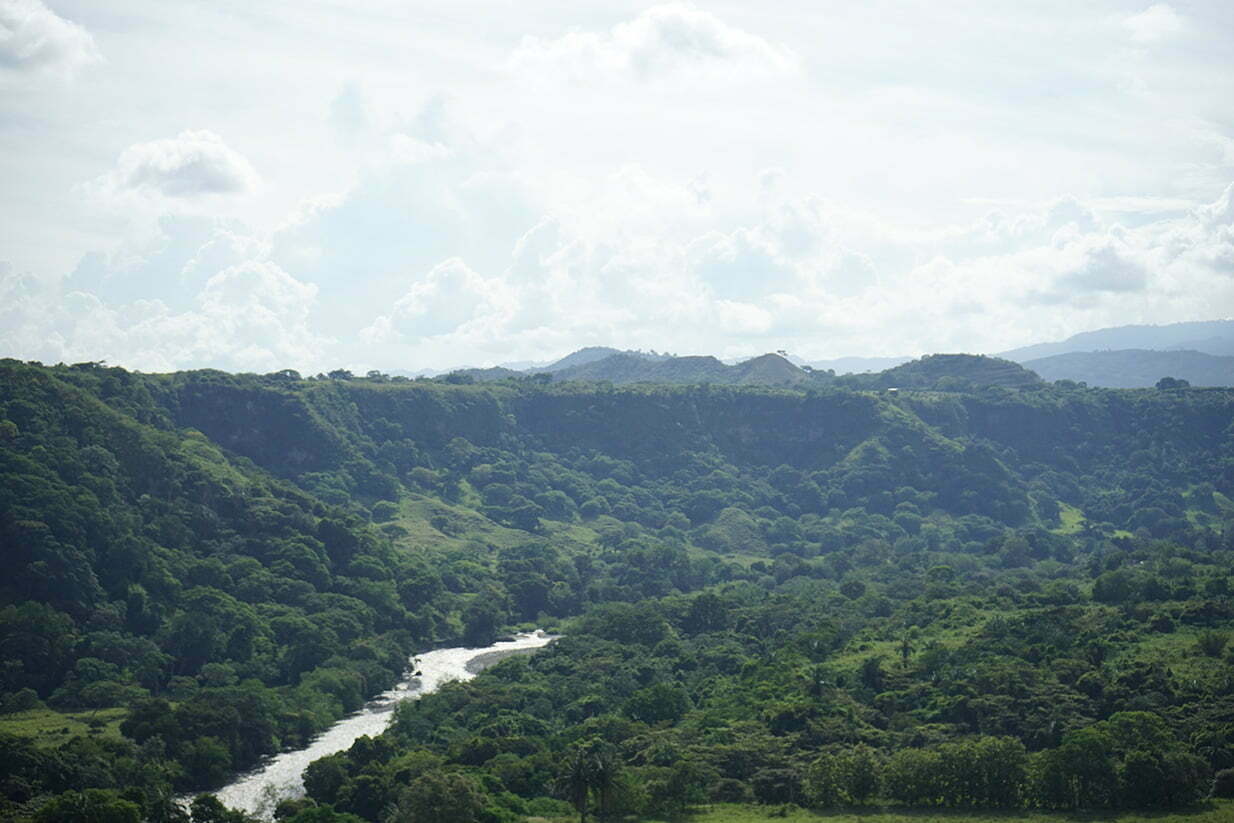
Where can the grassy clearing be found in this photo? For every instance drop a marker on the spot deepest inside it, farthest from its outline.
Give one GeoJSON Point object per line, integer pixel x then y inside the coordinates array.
{"type": "Point", "coordinates": [434, 523]}
{"type": "Point", "coordinates": [460, 523]}
{"type": "Point", "coordinates": [50, 728]}
{"type": "Point", "coordinates": [1070, 518]}
{"type": "Point", "coordinates": [1217, 812]}
{"type": "Point", "coordinates": [740, 558]}
{"type": "Point", "coordinates": [1179, 650]}
{"type": "Point", "coordinates": [952, 633]}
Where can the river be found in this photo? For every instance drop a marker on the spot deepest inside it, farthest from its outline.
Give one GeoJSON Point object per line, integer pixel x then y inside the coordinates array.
{"type": "Point", "coordinates": [258, 791]}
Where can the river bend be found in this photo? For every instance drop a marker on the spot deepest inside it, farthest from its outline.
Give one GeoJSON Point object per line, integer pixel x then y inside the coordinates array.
{"type": "Point", "coordinates": [259, 791]}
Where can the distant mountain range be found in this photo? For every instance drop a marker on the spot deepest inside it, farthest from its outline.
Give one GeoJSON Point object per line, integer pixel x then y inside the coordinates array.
{"type": "Point", "coordinates": [858, 365]}
{"type": "Point", "coordinates": [1207, 336]}
{"type": "Point", "coordinates": [594, 354]}
{"type": "Point", "coordinates": [939, 371]}
{"type": "Point", "coordinates": [623, 367]}
{"type": "Point", "coordinates": [1135, 368]}
{"type": "Point", "coordinates": [628, 367]}
{"type": "Point", "coordinates": [1129, 357]}
{"type": "Point", "coordinates": [1201, 353]}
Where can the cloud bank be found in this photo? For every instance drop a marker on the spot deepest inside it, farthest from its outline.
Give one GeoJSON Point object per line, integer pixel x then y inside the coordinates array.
{"type": "Point", "coordinates": [35, 39]}
{"type": "Point", "coordinates": [670, 41]}
{"type": "Point", "coordinates": [392, 190]}
{"type": "Point", "coordinates": [806, 272]}
{"type": "Point", "coordinates": [191, 165]}
{"type": "Point", "coordinates": [1157, 22]}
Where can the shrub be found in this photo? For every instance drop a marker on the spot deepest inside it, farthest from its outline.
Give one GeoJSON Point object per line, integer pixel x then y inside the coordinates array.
{"type": "Point", "coordinates": [1223, 783]}
{"type": "Point", "coordinates": [384, 511]}
{"type": "Point", "coordinates": [1211, 644]}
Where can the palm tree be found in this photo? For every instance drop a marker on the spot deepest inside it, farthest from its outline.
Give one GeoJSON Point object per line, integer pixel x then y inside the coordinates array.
{"type": "Point", "coordinates": [574, 782]}
{"type": "Point", "coordinates": [906, 649]}
{"type": "Point", "coordinates": [591, 766]}
{"type": "Point", "coordinates": [606, 765]}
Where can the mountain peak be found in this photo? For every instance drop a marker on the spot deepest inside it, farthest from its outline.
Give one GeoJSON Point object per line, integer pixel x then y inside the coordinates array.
{"type": "Point", "coordinates": [978, 369]}
{"type": "Point", "coordinates": [1207, 336]}
{"type": "Point", "coordinates": [592, 354]}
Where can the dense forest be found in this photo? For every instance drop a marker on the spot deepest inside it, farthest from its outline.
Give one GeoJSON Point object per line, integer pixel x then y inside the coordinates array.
{"type": "Point", "coordinates": [949, 585]}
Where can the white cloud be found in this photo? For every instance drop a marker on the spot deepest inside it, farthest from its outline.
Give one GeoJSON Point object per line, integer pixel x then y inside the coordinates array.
{"type": "Point", "coordinates": [448, 298]}
{"type": "Point", "coordinates": [407, 150]}
{"type": "Point", "coordinates": [1106, 268]}
{"type": "Point", "coordinates": [1055, 223]}
{"type": "Point", "coordinates": [793, 250]}
{"type": "Point", "coordinates": [797, 278]}
{"type": "Point", "coordinates": [708, 178]}
{"type": "Point", "coordinates": [1157, 22]}
{"type": "Point", "coordinates": [252, 316]}
{"type": "Point", "coordinates": [1168, 270]}
{"type": "Point", "coordinates": [249, 317]}
{"type": "Point", "coordinates": [743, 319]}
{"type": "Point", "coordinates": [260, 287]}
{"type": "Point", "coordinates": [432, 192]}
{"type": "Point", "coordinates": [33, 38]}
{"type": "Point", "coordinates": [672, 40]}
{"type": "Point", "coordinates": [350, 112]}
{"type": "Point", "coordinates": [227, 246]}
{"type": "Point", "coordinates": [23, 309]}
{"type": "Point", "coordinates": [744, 263]}
{"type": "Point", "coordinates": [1221, 212]}
{"type": "Point", "coordinates": [192, 165]}
{"type": "Point", "coordinates": [169, 259]}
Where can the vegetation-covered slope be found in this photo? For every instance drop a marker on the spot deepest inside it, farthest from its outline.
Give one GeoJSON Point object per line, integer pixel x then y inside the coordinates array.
{"type": "Point", "coordinates": [950, 371]}
{"type": "Point", "coordinates": [598, 365]}
{"type": "Point", "coordinates": [633, 367]}
{"type": "Point", "coordinates": [1209, 336]}
{"type": "Point", "coordinates": [1136, 368]}
{"type": "Point", "coordinates": [220, 564]}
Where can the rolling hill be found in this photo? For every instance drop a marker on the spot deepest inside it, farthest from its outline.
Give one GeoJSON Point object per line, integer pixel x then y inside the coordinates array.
{"type": "Point", "coordinates": [1208, 336]}
{"type": "Point", "coordinates": [1135, 368]}
{"type": "Point", "coordinates": [750, 580]}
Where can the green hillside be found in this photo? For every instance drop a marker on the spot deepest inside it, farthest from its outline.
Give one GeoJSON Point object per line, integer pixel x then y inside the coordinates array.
{"type": "Point", "coordinates": [947, 372]}
{"type": "Point", "coordinates": [767, 593]}
{"type": "Point", "coordinates": [950, 371]}
{"type": "Point", "coordinates": [1136, 368]}
{"type": "Point", "coordinates": [1209, 336]}
{"type": "Point", "coordinates": [631, 367]}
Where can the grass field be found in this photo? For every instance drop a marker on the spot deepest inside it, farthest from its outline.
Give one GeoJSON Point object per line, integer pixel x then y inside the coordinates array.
{"type": "Point", "coordinates": [1216, 812]}
{"type": "Point", "coordinates": [1070, 518]}
{"type": "Point", "coordinates": [51, 728]}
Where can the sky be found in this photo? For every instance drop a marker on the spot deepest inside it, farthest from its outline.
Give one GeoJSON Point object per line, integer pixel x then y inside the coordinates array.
{"type": "Point", "coordinates": [255, 185]}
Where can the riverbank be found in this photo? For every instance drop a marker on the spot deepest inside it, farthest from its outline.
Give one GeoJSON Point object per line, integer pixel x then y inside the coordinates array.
{"type": "Point", "coordinates": [259, 791]}
{"type": "Point", "coordinates": [1217, 811]}
{"type": "Point", "coordinates": [484, 661]}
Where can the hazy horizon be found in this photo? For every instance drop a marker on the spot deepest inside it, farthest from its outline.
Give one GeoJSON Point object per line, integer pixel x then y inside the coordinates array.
{"type": "Point", "coordinates": [265, 185]}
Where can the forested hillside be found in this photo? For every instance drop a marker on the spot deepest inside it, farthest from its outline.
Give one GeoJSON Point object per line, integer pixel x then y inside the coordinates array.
{"type": "Point", "coordinates": [1209, 336]}
{"type": "Point", "coordinates": [598, 365]}
{"type": "Point", "coordinates": [953, 594]}
{"type": "Point", "coordinates": [1136, 368]}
